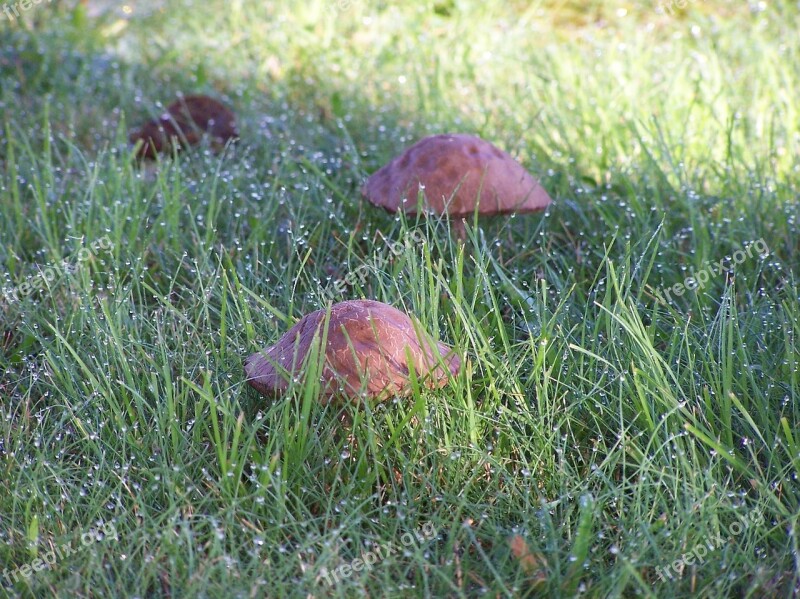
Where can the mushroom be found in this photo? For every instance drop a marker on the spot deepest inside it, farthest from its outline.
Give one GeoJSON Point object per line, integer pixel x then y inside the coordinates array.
{"type": "Point", "coordinates": [185, 123]}
{"type": "Point", "coordinates": [456, 172]}
{"type": "Point", "coordinates": [367, 354]}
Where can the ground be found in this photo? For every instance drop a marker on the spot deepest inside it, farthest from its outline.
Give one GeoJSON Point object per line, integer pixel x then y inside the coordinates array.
{"type": "Point", "coordinates": [626, 422]}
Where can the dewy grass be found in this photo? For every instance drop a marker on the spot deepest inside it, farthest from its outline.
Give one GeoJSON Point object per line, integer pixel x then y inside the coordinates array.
{"type": "Point", "coordinates": [637, 443]}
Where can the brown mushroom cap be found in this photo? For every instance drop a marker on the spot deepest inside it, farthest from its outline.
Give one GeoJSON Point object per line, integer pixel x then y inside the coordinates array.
{"type": "Point", "coordinates": [469, 166]}
{"type": "Point", "coordinates": [365, 354]}
{"type": "Point", "coordinates": [185, 122]}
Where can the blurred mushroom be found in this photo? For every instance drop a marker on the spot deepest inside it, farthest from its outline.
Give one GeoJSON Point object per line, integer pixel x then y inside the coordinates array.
{"type": "Point", "coordinates": [365, 355]}
{"type": "Point", "coordinates": [185, 123]}
{"type": "Point", "coordinates": [456, 172]}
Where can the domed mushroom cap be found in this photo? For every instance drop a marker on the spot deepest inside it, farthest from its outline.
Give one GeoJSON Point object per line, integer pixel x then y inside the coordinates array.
{"type": "Point", "coordinates": [469, 166]}
{"type": "Point", "coordinates": [366, 355]}
{"type": "Point", "coordinates": [185, 122]}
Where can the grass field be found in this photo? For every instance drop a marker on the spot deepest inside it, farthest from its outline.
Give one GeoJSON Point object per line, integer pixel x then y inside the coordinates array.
{"type": "Point", "coordinates": [626, 422]}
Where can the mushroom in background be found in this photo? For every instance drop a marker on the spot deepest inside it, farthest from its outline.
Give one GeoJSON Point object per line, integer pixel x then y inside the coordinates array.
{"type": "Point", "coordinates": [366, 356]}
{"type": "Point", "coordinates": [456, 172]}
{"type": "Point", "coordinates": [184, 123]}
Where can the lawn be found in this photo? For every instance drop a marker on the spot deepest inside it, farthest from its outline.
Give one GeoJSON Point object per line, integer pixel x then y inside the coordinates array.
{"type": "Point", "coordinates": [627, 419]}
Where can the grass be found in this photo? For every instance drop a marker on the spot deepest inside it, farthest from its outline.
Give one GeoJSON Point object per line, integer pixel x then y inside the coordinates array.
{"type": "Point", "coordinates": [600, 434]}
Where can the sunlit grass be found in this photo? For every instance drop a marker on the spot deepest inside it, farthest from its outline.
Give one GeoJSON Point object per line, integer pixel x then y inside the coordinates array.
{"type": "Point", "coordinates": [613, 431]}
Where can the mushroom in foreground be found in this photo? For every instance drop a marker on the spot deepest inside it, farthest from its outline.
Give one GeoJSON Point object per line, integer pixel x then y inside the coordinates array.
{"type": "Point", "coordinates": [456, 173]}
{"type": "Point", "coordinates": [367, 354]}
{"type": "Point", "coordinates": [184, 123]}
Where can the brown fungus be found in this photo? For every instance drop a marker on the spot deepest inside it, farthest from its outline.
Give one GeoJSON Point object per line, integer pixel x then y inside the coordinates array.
{"type": "Point", "coordinates": [456, 174]}
{"type": "Point", "coordinates": [185, 122]}
{"type": "Point", "coordinates": [367, 354]}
